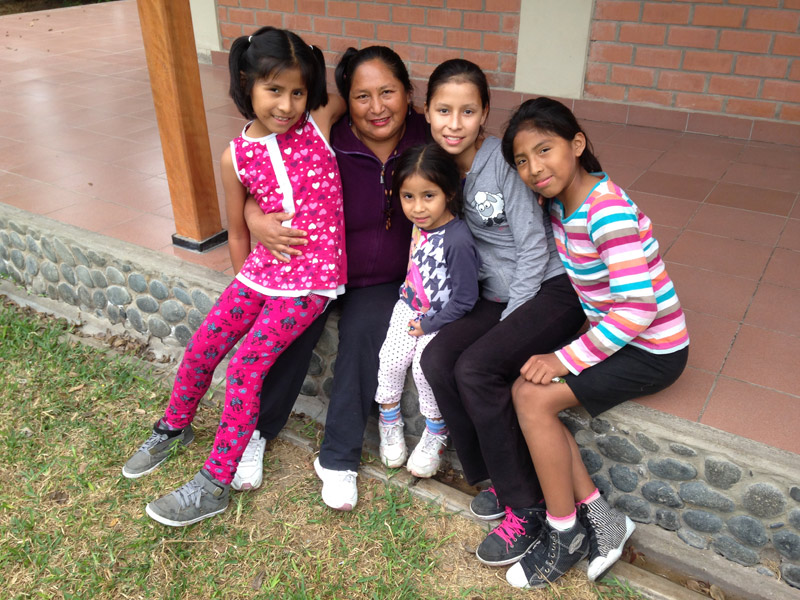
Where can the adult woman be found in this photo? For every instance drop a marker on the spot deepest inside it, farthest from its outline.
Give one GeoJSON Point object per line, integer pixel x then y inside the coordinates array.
{"type": "Point", "coordinates": [380, 124]}
{"type": "Point", "coordinates": [527, 306]}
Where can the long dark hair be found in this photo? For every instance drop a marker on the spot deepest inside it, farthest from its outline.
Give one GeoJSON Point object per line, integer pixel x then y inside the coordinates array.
{"type": "Point", "coordinates": [352, 59]}
{"type": "Point", "coordinates": [269, 51]}
{"type": "Point", "coordinates": [546, 114]}
{"type": "Point", "coordinates": [433, 163]}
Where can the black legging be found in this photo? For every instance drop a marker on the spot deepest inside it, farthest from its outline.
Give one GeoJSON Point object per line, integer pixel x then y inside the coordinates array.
{"type": "Point", "coordinates": [471, 365]}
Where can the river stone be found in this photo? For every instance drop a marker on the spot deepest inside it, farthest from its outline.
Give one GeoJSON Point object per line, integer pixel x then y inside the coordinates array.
{"type": "Point", "coordinates": [172, 311]}
{"type": "Point", "coordinates": [791, 574]}
{"type": "Point", "coordinates": [794, 518]}
{"type": "Point", "coordinates": [327, 343]}
{"type": "Point", "coordinates": [85, 296]}
{"type": "Point", "coordinates": [647, 443]}
{"type": "Point", "coordinates": [99, 279]}
{"type": "Point", "coordinates": [17, 241]}
{"type": "Point", "coordinates": [183, 334]}
{"type": "Point", "coordinates": [764, 500]}
{"type": "Point", "coordinates": [115, 276]}
{"type": "Point", "coordinates": [748, 530]}
{"type": "Point", "coordinates": [33, 246]}
{"type": "Point", "coordinates": [68, 273]}
{"type": "Point", "coordinates": [195, 319]}
{"type": "Point", "coordinates": [52, 291]}
{"type": "Point", "coordinates": [63, 253]}
{"type": "Point", "coordinates": [669, 468]}
{"type": "Point", "coordinates": [310, 387]}
{"type": "Point", "coordinates": [619, 449]}
{"type": "Point", "coordinates": [315, 365]}
{"type": "Point", "coordinates": [99, 299]}
{"type": "Point", "coordinates": [636, 508]}
{"type": "Point", "coordinates": [137, 283]}
{"type": "Point", "coordinates": [31, 265]}
{"type": "Point", "coordinates": [114, 314]}
{"type": "Point", "coordinates": [734, 551]}
{"type": "Point", "coordinates": [3, 252]}
{"type": "Point", "coordinates": [794, 492]}
{"type": "Point", "coordinates": [18, 258]}
{"type": "Point", "coordinates": [80, 257]}
{"type": "Point", "coordinates": [158, 290]}
{"type": "Point", "coordinates": [182, 295]}
{"type": "Point", "coordinates": [700, 520]}
{"type": "Point", "coordinates": [4, 268]}
{"type": "Point", "coordinates": [603, 485]}
{"type": "Point", "coordinates": [660, 492]}
{"type": "Point", "coordinates": [572, 423]}
{"type": "Point", "coordinates": [136, 321]}
{"type": "Point", "coordinates": [600, 426]}
{"type": "Point", "coordinates": [697, 492]}
{"type": "Point", "coordinates": [327, 386]}
{"type": "Point", "coordinates": [692, 539]}
{"type": "Point", "coordinates": [49, 251]}
{"type": "Point", "coordinates": [84, 276]}
{"type": "Point", "coordinates": [96, 259]}
{"type": "Point", "coordinates": [67, 294]}
{"type": "Point", "coordinates": [50, 271]}
{"type": "Point", "coordinates": [787, 543]}
{"type": "Point", "coordinates": [668, 519]}
{"type": "Point", "coordinates": [118, 295]}
{"type": "Point", "coordinates": [624, 478]}
{"type": "Point", "coordinates": [158, 327]}
{"type": "Point", "coordinates": [682, 450]}
{"type": "Point", "coordinates": [592, 460]}
{"type": "Point", "coordinates": [722, 474]}
{"type": "Point", "coordinates": [147, 304]}
{"type": "Point", "coordinates": [201, 301]}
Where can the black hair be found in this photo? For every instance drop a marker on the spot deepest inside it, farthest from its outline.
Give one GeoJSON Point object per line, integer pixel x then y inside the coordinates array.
{"type": "Point", "coordinates": [352, 59]}
{"type": "Point", "coordinates": [268, 52]}
{"type": "Point", "coordinates": [546, 114]}
{"type": "Point", "coordinates": [458, 70]}
{"type": "Point", "coordinates": [433, 163]}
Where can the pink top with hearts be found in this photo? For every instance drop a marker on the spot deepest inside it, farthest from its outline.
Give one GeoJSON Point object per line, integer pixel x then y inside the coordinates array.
{"type": "Point", "coordinates": [302, 159]}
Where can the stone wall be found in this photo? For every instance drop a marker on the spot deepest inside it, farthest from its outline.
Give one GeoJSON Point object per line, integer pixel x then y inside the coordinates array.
{"type": "Point", "coordinates": [714, 490]}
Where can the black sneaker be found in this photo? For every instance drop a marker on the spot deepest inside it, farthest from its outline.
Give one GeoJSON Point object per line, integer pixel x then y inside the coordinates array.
{"type": "Point", "coordinates": [608, 530]}
{"type": "Point", "coordinates": [486, 506]}
{"type": "Point", "coordinates": [509, 541]}
{"type": "Point", "coordinates": [555, 553]}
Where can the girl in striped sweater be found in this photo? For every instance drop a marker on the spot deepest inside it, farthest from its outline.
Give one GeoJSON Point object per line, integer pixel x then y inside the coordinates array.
{"type": "Point", "coordinates": [637, 342]}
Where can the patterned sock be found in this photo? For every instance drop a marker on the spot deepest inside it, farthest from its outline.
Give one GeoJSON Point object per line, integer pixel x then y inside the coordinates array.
{"type": "Point", "coordinates": [388, 416]}
{"type": "Point", "coordinates": [590, 498]}
{"type": "Point", "coordinates": [436, 426]}
{"type": "Point", "coordinates": [562, 523]}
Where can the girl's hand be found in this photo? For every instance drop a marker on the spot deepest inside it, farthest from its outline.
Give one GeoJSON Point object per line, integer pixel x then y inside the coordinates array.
{"type": "Point", "coordinates": [414, 328]}
{"type": "Point", "coordinates": [542, 368]}
{"type": "Point", "coordinates": [268, 230]}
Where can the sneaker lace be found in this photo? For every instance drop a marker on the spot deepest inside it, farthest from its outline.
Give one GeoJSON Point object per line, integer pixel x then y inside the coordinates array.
{"type": "Point", "coordinates": [189, 493]}
{"type": "Point", "coordinates": [393, 432]}
{"type": "Point", "coordinates": [348, 477]}
{"type": "Point", "coordinates": [511, 527]}
{"type": "Point", "coordinates": [249, 454]}
{"type": "Point", "coordinates": [155, 438]}
{"type": "Point", "coordinates": [431, 442]}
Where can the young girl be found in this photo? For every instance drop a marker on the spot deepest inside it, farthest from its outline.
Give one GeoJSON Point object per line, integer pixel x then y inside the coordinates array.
{"type": "Point", "coordinates": [637, 343]}
{"type": "Point", "coordinates": [441, 286]}
{"type": "Point", "coordinates": [526, 306]}
{"type": "Point", "coordinates": [282, 158]}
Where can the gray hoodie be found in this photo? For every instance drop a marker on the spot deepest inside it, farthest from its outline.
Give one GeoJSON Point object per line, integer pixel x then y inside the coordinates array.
{"type": "Point", "coordinates": [513, 235]}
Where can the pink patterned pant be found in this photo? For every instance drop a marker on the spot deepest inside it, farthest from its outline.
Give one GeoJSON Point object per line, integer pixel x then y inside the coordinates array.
{"type": "Point", "coordinates": [271, 324]}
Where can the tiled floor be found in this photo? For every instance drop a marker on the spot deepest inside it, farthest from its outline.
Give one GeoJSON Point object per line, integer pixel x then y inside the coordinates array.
{"type": "Point", "coordinates": [79, 143]}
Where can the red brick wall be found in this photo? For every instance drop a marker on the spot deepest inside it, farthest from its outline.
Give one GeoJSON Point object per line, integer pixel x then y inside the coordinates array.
{"type": "Point", "coordinates": [725, 67]}
{"type": "Point", "coordinates": [732, 57]}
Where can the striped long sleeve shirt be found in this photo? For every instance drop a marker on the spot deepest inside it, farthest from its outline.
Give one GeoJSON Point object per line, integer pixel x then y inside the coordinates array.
{"type": "Point", "coordinates": [611, 257]}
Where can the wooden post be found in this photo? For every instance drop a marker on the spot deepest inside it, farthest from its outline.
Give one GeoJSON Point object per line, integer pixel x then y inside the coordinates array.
{"type": "Point", "coordinates": [175, 80]}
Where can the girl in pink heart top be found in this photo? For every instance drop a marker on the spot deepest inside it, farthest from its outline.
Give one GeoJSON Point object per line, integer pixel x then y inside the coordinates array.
{"type": "Point", "coordinates": [283, 159]}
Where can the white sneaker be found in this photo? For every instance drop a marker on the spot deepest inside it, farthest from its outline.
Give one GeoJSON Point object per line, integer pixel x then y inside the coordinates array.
{"type": "Point", "coordinates": [427, 456]}
{"type": "Point", "coordinates": [393, 449]}
{"type": "Point", "coordinates": [250, 472]}
{"type": "Point", "coordinates": [339, 490]}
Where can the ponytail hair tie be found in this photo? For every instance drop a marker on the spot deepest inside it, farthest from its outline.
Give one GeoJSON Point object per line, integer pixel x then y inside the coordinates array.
{"type": "Point", "coordinates": [250, 39]}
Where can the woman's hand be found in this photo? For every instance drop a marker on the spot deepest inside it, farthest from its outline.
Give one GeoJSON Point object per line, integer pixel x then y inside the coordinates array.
{"type": "Point", "coordinates": [542, 368]}
{"type": "Point", "coordinates": [268, 230]}
{"type": "Point", "coordinates": [414, 328]}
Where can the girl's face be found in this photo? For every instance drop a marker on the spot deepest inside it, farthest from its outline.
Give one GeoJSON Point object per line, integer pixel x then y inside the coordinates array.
{"type": "Point", "coordinates": [378, 103]}
{"type": "Point", "coordinates": [548, 163]}
{"type": "Point", "coordinates": [279, 100]}
{"type": "Point", "coordinates": [424, 203]}
{"type": "Point", "coordinates": [456, 117]}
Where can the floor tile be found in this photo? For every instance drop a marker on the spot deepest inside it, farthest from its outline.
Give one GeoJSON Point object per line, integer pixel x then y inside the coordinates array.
{"type": "Point", "coordinates": [766, 358]}
{"type": "Point", "coordinates": [737, 224]}
{"type": "Point", "coordinates": [626, 155]}
{"type": "Point", "coordinates": [673, 212]}
{"type": "Point", "coordinates": [770, 155]}
{"type": "Point", "coordinates": [644, 137]}
{"type": "Point", "coordinates": [722, 255]}
{"type": "Point", "coordinates": [148, 230]}
{"type": "Point", "coordinates": [754, 412]}
{"type": "Point", "coordinates": [687, 165]}
{"type": "Point", "coordinates": [685, 398]}
{"type": "Point", "coordinates": [667, 184]}
{"type": "Point", "coordinates": [94, 215]}
{"type": "Point", "coordinates": [770, 178]}
{"type": "Point", "coordinates": [775, 307]}
{"type": "Point", "coordinates": [711, 293]}
{"type": "Point", "coordinates": [790, 238]}
{"type": "Point", "coordinates": [752, 198]}
{"type": "Point", "coordinates": [711, 340]}
{"type": "Point", "coordinates": [783, 268]}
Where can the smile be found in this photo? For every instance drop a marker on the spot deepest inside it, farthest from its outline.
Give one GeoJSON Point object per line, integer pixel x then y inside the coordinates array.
{"type": "Point", "coordinates": [543, 182]}
{"type": "Point", "coordinates": [380, 122]}
{"type": "Point", "coordinates": [452, 141]}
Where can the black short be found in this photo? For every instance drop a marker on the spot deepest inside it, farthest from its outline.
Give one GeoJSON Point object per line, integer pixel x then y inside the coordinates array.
{"type": "Point", "coordinates": [627, 374]}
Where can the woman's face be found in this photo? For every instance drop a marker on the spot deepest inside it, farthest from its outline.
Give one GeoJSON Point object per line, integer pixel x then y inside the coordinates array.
{"type": "Point", "coordinates": [378, 103]}
{"type": "Point", "coordinates": [456, 116]}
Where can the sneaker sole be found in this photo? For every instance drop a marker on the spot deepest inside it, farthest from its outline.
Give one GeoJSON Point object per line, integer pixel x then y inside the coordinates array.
{"type": "Point", "coordinates": [131, 475]}
{"type": "Point", "coordinates": [394, 464]}
{"type": "Point", "coordinates": [487, 517]}
{"type": "Point", "coordinates": [505, 561]}
{"type": "Point", "coordinates": [170, 523]}
{"type": "Point", "coordinates": [246, 486]}
{"type": "Point", "coordinates": [346, 507]}
{"type": "Point", "coordinates": [600, 565]}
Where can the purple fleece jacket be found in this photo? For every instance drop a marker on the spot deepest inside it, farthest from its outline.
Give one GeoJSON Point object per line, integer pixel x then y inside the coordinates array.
{"type": "Point", "coordinates": [375, 255]}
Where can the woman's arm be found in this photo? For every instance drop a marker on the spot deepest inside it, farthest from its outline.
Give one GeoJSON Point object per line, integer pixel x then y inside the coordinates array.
{"type": "Point", "coordinates": [326, 116]}
{"type": "Point", "coordinates": [269, 231]}
{"type": "Point", "coordinates": [235, 193]}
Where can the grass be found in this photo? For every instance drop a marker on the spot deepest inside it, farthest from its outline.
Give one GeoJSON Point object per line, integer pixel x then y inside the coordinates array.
{"type": "Point", "coordinates": [72, 527]}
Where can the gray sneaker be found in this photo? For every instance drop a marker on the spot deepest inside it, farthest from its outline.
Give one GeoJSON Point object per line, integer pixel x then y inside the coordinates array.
{"type": "Point", "coordinates": [155, 450]}
{"type": "Point", "coordinates": [199, 499]}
